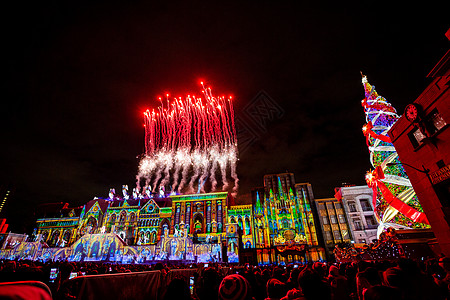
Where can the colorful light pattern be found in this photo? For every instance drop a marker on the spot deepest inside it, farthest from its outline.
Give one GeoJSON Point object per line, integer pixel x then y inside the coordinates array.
{"type": "Point", "coordinates": [189, 140]}
{"type": "Point", "coordinates": [380, 116]}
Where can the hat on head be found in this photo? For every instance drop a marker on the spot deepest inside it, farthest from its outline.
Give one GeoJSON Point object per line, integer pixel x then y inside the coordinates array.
{"type": "Point", "coordinates": [234, 287]}
{"type": "Point", "coordinates": [394, 277]}
{"type": "Point", "coordinates": [334, 271]}
{"type": "Point", "coordinates": [275, 288]}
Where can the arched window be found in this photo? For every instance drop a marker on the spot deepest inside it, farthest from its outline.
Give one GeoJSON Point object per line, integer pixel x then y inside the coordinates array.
{"type": "Point", "coordinates": [198, 223]}
{"type": "Point", "coordinates": [248, 245]}
{"type": "Point", "coordinates": [132, 219]}
{"type": "Point", "coordinates": [165, 225]}
{"type": "Point", "coordinates": [247, 226]}
{"type": "Point", "coordinates": [122, 218]}
{"type": "Point", "coordinates": [66, 236]}
{"type": "Point", "coordinates": [54, 239]}
{"type": "Point", "coordinates": [241, 226]}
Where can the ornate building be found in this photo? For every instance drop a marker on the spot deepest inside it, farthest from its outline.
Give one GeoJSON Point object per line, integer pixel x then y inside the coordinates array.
{"type": "Point", "coordinates": [243, 216]}
{"type": "Point", "coordinates": [284, 226]}
{"type": "Point", "coordinates": [278, 227]}
{"type": "Point", "coordinates": [141, 221]}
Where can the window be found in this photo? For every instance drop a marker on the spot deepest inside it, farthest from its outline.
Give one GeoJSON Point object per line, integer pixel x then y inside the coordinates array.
{"type": "Point", "coordinates": [371, 223]}
{"type": "Point", "coordinates": [122, 218]}
{"type": "Point", "coordinates": [132, 219]}
{"type": "Point", "coordinates": [365, 205]}
{"type": "Point", "coordinates": [351, 207]}
{"type": "Point", "coordinates": [328, 235]}
{"type": "Point", "coordinates": [333, 219]}
{"type": "Point", "coordinates": [325, 220]}
{"type": "Point", "coordinates": [330, 206]}
{"type": "Point", "coordinates": [357, 225]}
{"type": "Point", "coordinates": [435, 122]}
{"type": "Point", "coordinates": [416, 137]}
{"type": "Point", "coordinates": [113, 219]}
{"type": "Point", "coordinates": [337, 235]}
{"type": "Point", "coordinates": [341, 219]}
{"type": "Point", "coordinates": [345, 235]}
{"type": "Point", "coordinates": [247, 226]}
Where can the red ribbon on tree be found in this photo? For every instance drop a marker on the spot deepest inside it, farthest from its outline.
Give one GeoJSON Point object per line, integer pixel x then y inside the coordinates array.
{"type": "Point", "coordinates": [338, 194]}
{"type": "Point", "coordinates": [377, 106]}
{"type": "Point", "coordinates": [373, 180]}
{"type": "Point", "coordinates": [367, 130]}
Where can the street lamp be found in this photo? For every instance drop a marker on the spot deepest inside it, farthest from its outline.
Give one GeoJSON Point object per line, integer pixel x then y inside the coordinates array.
{"type": "Point", "coordinates": [425, 171]}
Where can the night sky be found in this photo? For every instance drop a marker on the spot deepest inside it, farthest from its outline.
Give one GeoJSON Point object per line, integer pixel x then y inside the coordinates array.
{"type": "Point", "coordinates": [77, 78]}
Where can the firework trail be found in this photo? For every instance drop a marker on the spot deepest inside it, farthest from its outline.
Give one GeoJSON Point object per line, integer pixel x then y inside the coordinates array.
{"type": "Point", "coordinates": [188, 141]}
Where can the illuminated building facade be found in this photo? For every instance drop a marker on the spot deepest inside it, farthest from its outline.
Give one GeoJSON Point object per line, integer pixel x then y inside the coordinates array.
{"type": "Point", "coordinates": [305, 199]}
{"type": "Point", "coordinates": [243, 216]}
{"type": "Point", "coordinates": [59, 231]}
{"type": "Point", "coordinates": [333, 222]}
{"type": "Point", "coordinates": [279, 226]}
{"type": "Point", "coordinates": [141, 221]}
{"type": "Point", "coordinates": [200, 213]}
{"type": "Point", "coordinates": [284, 226]}
{"type": "Point", "coordinates": [140, 228]}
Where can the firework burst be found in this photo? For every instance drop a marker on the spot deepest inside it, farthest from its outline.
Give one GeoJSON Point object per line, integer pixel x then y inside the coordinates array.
{"type": "Point", "coordinates": [187, 142]}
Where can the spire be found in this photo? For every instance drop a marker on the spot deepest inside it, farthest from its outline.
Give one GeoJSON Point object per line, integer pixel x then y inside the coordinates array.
{"type": "Point", "coordinates": [259, 209]}
{"type": "Point", "coordinates": [281, 195]}
{"type": "Point", "coordinates": [291, 194]}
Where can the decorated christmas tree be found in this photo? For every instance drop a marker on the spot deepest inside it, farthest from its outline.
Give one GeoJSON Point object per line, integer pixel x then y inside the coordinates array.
{"type": "Point", "coordinates": [395, 203]}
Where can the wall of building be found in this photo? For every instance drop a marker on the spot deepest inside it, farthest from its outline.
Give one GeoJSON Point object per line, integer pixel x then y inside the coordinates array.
{"type": "Point", "coordinates": [358, 205]}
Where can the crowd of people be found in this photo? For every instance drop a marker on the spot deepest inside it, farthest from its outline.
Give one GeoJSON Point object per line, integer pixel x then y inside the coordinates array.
{"type": "Point", "coordinates": [362, 280]}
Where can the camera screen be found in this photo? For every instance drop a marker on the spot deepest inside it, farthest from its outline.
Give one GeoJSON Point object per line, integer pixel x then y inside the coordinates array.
{"type": "Point", "coordinates": [53, 274]}
{"type": "Point", "coordinates": [191, 284]}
